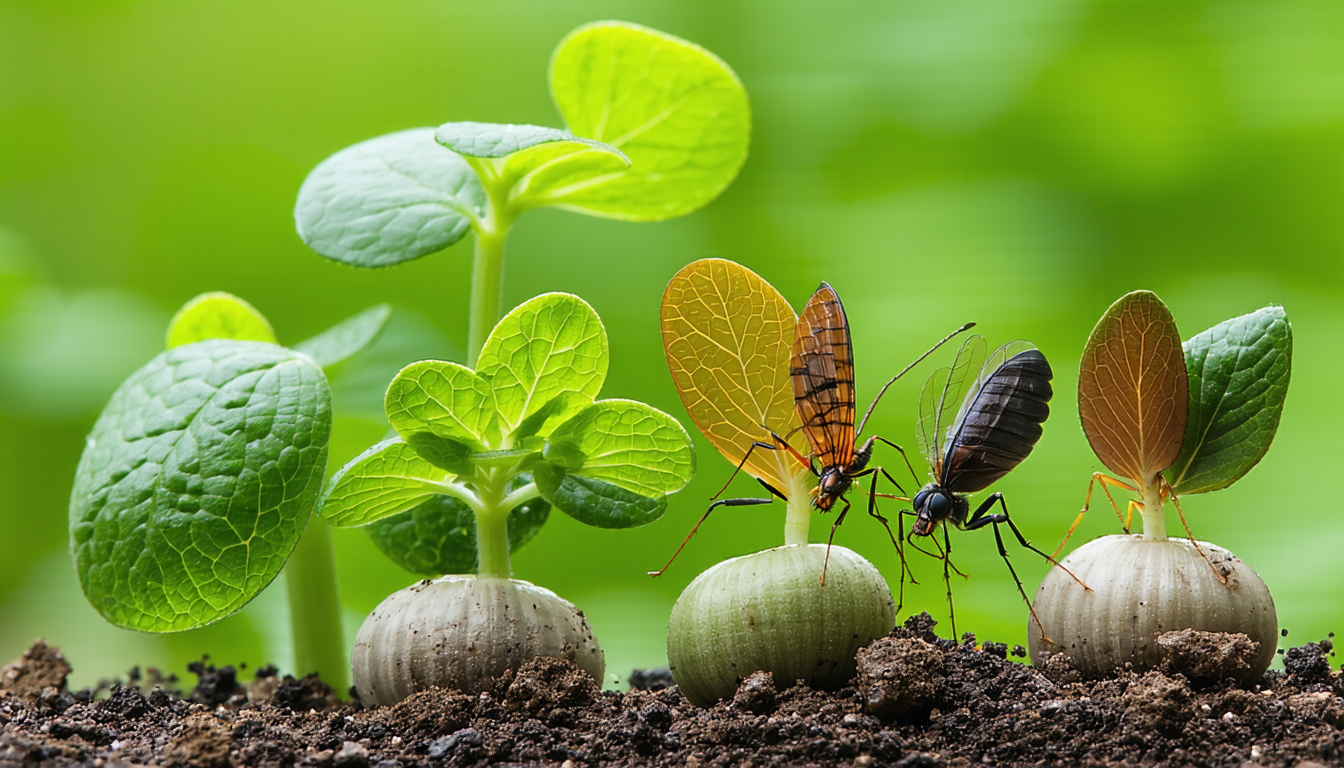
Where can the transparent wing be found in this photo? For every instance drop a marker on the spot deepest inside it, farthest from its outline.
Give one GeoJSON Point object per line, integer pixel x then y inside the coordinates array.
{"type": "Point", "coordinates": [944, 397]}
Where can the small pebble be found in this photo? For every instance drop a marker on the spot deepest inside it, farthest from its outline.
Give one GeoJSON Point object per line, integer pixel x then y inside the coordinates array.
{"type": "Point", "coordinates": [1229, 717]}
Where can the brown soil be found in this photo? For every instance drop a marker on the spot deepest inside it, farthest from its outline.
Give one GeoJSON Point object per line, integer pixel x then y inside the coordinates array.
{"type": "Point", "coordinates": [918, 700]}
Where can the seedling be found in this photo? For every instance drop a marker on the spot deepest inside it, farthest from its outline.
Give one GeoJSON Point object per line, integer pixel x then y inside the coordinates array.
{"type": "Point", "coordinates": [1170, 419]}
{"type": "Point", "coordinates": [197, 482]}
{"type": "Point", "coordinates": [657, 127]}
{"type": "Point", "coordinates": [728, 336]}
{"type": "Point", "coordinates": [522, 427]}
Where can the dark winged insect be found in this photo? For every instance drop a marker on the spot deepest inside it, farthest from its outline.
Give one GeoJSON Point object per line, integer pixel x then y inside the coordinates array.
{"type": "Point", "coordinates": [822, 375]}
{"type": "Point", "coordinates": [978, 420]}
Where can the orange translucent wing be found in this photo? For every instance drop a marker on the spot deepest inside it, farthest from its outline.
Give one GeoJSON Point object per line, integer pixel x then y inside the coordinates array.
{"type": "Point", "coordinates": [823, 379]}
{"type": "Point", "coordinates": [726, 333]}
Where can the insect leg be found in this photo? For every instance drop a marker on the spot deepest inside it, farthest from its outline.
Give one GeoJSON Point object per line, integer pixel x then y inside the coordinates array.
{"type": "Point", "coordinates": [719, 503]}
{"type": "Point", "coordinates": [838, 520]}
{"type": "Point", "coordinates": [979, 519]}
{"type": "Point", "coordinates": [908, 465]}
{"type": "Point", "coordinates": [947, 579]}
{"type": "Point", "coordinates": [1166, 490]}
{"type": "Point", "coordinates": [1105, 481]}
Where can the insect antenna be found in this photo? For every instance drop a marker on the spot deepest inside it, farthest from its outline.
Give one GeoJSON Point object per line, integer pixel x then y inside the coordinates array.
{"type": "Point", "coordinates": [906, 370]}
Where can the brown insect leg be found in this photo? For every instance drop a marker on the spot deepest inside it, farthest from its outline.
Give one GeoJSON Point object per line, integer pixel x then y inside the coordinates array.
{"type": "Point", "coordinates": [908, 465]}
{"type": "Point", "coordinates": [1105, 481]}
{"type": "Point", "coordinates": [834, 526]}
{"type": "Point", "coordinates": [758, 444]}
{"type": "Point", "coordinates": [720, 503]}
{"type": "Point", "coordinates": [872, 512]}
{"type": "Point", "coordinates": [1168, 491]}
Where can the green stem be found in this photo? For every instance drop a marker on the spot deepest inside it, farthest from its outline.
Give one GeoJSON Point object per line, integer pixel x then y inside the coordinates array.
{"type": "Point", "coordinates": [492, 528]}
{"type": "Point", "coordinates": [798, 514]}
{"type": "Point", "coordinates": [315, 609]}
{"type": "Point", "coordinates": [487, 273]}
{"type": "Point", "coordinates": [1154, 517]}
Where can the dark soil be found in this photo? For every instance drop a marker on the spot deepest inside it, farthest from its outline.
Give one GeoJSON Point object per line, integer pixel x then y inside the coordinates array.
{"type": "Point", "coordinates": [918, 700]}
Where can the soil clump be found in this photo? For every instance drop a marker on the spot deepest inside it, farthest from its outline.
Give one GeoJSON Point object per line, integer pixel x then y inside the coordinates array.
{"type": "Point", "coordinates": [917, 700]}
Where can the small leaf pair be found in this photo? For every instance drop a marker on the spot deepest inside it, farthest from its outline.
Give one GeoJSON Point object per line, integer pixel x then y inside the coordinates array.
{"type": "Point", "coordinates": [1202, 413]}
{"type": "Point", "coordinates": [199, 477]}
{"type": "Point", "coordinates": [523, 425]}
{"type": "Point", "coordinates": [658, 127]}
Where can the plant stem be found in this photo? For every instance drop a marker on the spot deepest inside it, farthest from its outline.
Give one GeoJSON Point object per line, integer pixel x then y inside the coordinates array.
{"type": "Point", "coordinates": [315, 609]}
{"type": "Point", "coordinates": [1154, 517]}
{"type": "Point", "coordinates": [492, 528]}
{"type": "Point", "coordinates": [798, 514]}
{"type": "Point", "coordinates": [487, 273]}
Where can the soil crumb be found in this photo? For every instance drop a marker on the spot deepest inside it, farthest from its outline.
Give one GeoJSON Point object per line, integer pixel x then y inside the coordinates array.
{"type": "Point", "coordinates": [1206, 657]}
{"type": "Point", "coordinates": [917, 700]}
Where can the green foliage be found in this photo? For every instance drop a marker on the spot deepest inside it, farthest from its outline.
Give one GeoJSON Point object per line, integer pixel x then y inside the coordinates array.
{"type": "Point", "coordinates": [480, 437]}
{"type": "Point", "coordinates": [347, 338]}
{"type": "Point", "coordinates": [197, 481]}
{"type": "Point", "coordinates": [218, 315]}
{"type": "Point", "coordinates": [1239, 372]}
{"type": "Point", "coordinates": [658, 127]}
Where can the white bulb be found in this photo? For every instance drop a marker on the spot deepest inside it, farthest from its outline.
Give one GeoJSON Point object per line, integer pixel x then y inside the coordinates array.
{"type": "Point", "coordinates": [462, 632]}
{"type": "Point", "coordinates": [1141, 589]}
{"type": "Point", "coordinates": [768, 611]}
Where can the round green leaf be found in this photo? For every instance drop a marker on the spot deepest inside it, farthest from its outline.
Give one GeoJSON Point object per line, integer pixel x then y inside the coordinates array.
{"type": "Point", "coordinates": [1238, 371]}
{"type": "Point", "coordinates": [383, 481]}
{"type": "Point", "coordinates": [596, 502]}
{"type": "Point", "coordinates": [218, 315]}
{"type": "Point", "coordinates": [197, 481]}
{"type": "Point", "coordinates": [677, 111]}
{"type": "Point", "coordinates": [388, 200]}
{"type": "Point", "coordinates": [439, 535]}
{"type": "Point", "coordinates": [551, 347]}
{"type": "Point", "coordinates": [441, 399]}
{"type": "Point", "coordinates": [347, 338]}
{"type": "Point", "coordinates": [631, 445]}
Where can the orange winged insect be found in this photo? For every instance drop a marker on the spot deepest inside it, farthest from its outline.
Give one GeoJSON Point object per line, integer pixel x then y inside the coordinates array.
{"type": "Point", "coordinates": [740, 360]}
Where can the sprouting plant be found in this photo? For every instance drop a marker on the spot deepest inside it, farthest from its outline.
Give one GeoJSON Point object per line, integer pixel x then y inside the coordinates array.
{"type": "Point", "coordinates": [198, 480]}
{"type": "Point", "coordinates": [656, 128]}
{"type": "Point", "coordinates": [1170, 419]}
{"type": "Point", "coordinates": [728, 336]}
{"type": "Point", "coordinates": [520, 432]}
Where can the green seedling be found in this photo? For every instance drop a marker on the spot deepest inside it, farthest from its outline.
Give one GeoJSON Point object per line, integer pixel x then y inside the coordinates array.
{"type": "Point", "coordinates": [198, 480]}
{"type": "Point", "coordinates": [656, 128]}
{"type": "Point", "coordinates": [502, 444]}
{"type": "Point", "coordinates": [1170, 419]}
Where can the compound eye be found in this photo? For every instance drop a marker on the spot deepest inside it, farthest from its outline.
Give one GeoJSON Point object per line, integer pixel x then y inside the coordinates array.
{"type": "Point", "coordinates": [938, 504]}
{"type": "Point", "coordinates": [920, 499]}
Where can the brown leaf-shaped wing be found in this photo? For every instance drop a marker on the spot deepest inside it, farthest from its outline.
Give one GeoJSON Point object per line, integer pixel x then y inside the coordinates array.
{"type": "Point", "coordinates": [726, 333]}
{"type": "Point", "coordinates": [1132, 388]}
{"type": "Point", "coordinates": [823, 378]}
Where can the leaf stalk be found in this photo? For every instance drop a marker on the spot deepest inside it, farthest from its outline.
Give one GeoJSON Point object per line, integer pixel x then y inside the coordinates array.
{"type": "Point", "coordinates": [315, 609]}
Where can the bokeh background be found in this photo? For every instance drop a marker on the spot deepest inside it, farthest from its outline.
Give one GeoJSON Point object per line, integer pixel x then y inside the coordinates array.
{"type": "Point", "coordinates": [1018, 164]}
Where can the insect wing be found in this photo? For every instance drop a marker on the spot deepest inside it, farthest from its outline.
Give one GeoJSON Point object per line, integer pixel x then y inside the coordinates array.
{"type": "Point", "coordinates": [1000, 420]}
{"type": "Point", "coordinates": [823, 378]}
{"type": "Point", "coordinates": [726, 334]}
{"type": "Point", "coordinates": [943, 397]}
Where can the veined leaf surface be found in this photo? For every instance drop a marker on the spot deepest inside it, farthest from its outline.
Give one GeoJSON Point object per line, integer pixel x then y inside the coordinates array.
{"type": "Point", "coordinates": [1132, 388]}
{"type": "Point", "coordinates": [728, 336]}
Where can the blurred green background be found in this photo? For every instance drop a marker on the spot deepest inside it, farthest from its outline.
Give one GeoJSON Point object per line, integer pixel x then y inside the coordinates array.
{"type": "Point", "coordinates": [1018, 164]}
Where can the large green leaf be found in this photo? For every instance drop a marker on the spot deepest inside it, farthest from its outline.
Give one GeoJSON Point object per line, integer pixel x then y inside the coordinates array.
{"type": "Point", "coordinates": [385, 480]}
{"type": "Point", "coordinates": [218, 315]}
{"type": "Point", "coordinates": [553, 346]}
{"type": "Point", "coordinates": [677, 111]}
{"type": "Point", "coordinates": [439, 535]}
{"type": "Point", "coordinates": [347, 338]}
{"type": "Point", "coordinates": [631, 445]}
{"type": "Point", "coordinates": [596, 502]}
{"type": "Point", "coordinates": [440, 399]}
{"type": "Point", "coordinates": [1239, 371]}
{"type": "Point", "coordinates": [388, 200]}
{"type": "Point", "coordinates": [197, 481]}
{"type": "Point", "coordinates": [529, 163]}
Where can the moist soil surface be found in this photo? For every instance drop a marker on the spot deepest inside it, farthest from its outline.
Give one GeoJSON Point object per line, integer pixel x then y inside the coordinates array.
{"type": "Point", "coordinates": [917, 700]}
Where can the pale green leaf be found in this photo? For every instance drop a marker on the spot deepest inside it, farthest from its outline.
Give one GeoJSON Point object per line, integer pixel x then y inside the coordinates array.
{"type": "Point", "coordinates": [218, 315]}
{"type": "Point", "coordinates": [385, 480]}
{"type": "Point", "coordinates": [677, 111]}
{"type": "Point", "coordinates": [441, 399]}
{"type": "Point", "coordinates": [549, 347]}
{"type": "Point", "coordinates": [1239, 372]}
{"type": "Point", "coordinates": [197, 481]}
{"type": "Point", "coordinates": [347, 338]}
{"type": "Point", "coordinates": [388, 200]}
{"type": "Point", "coordinates": [631, 445]}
